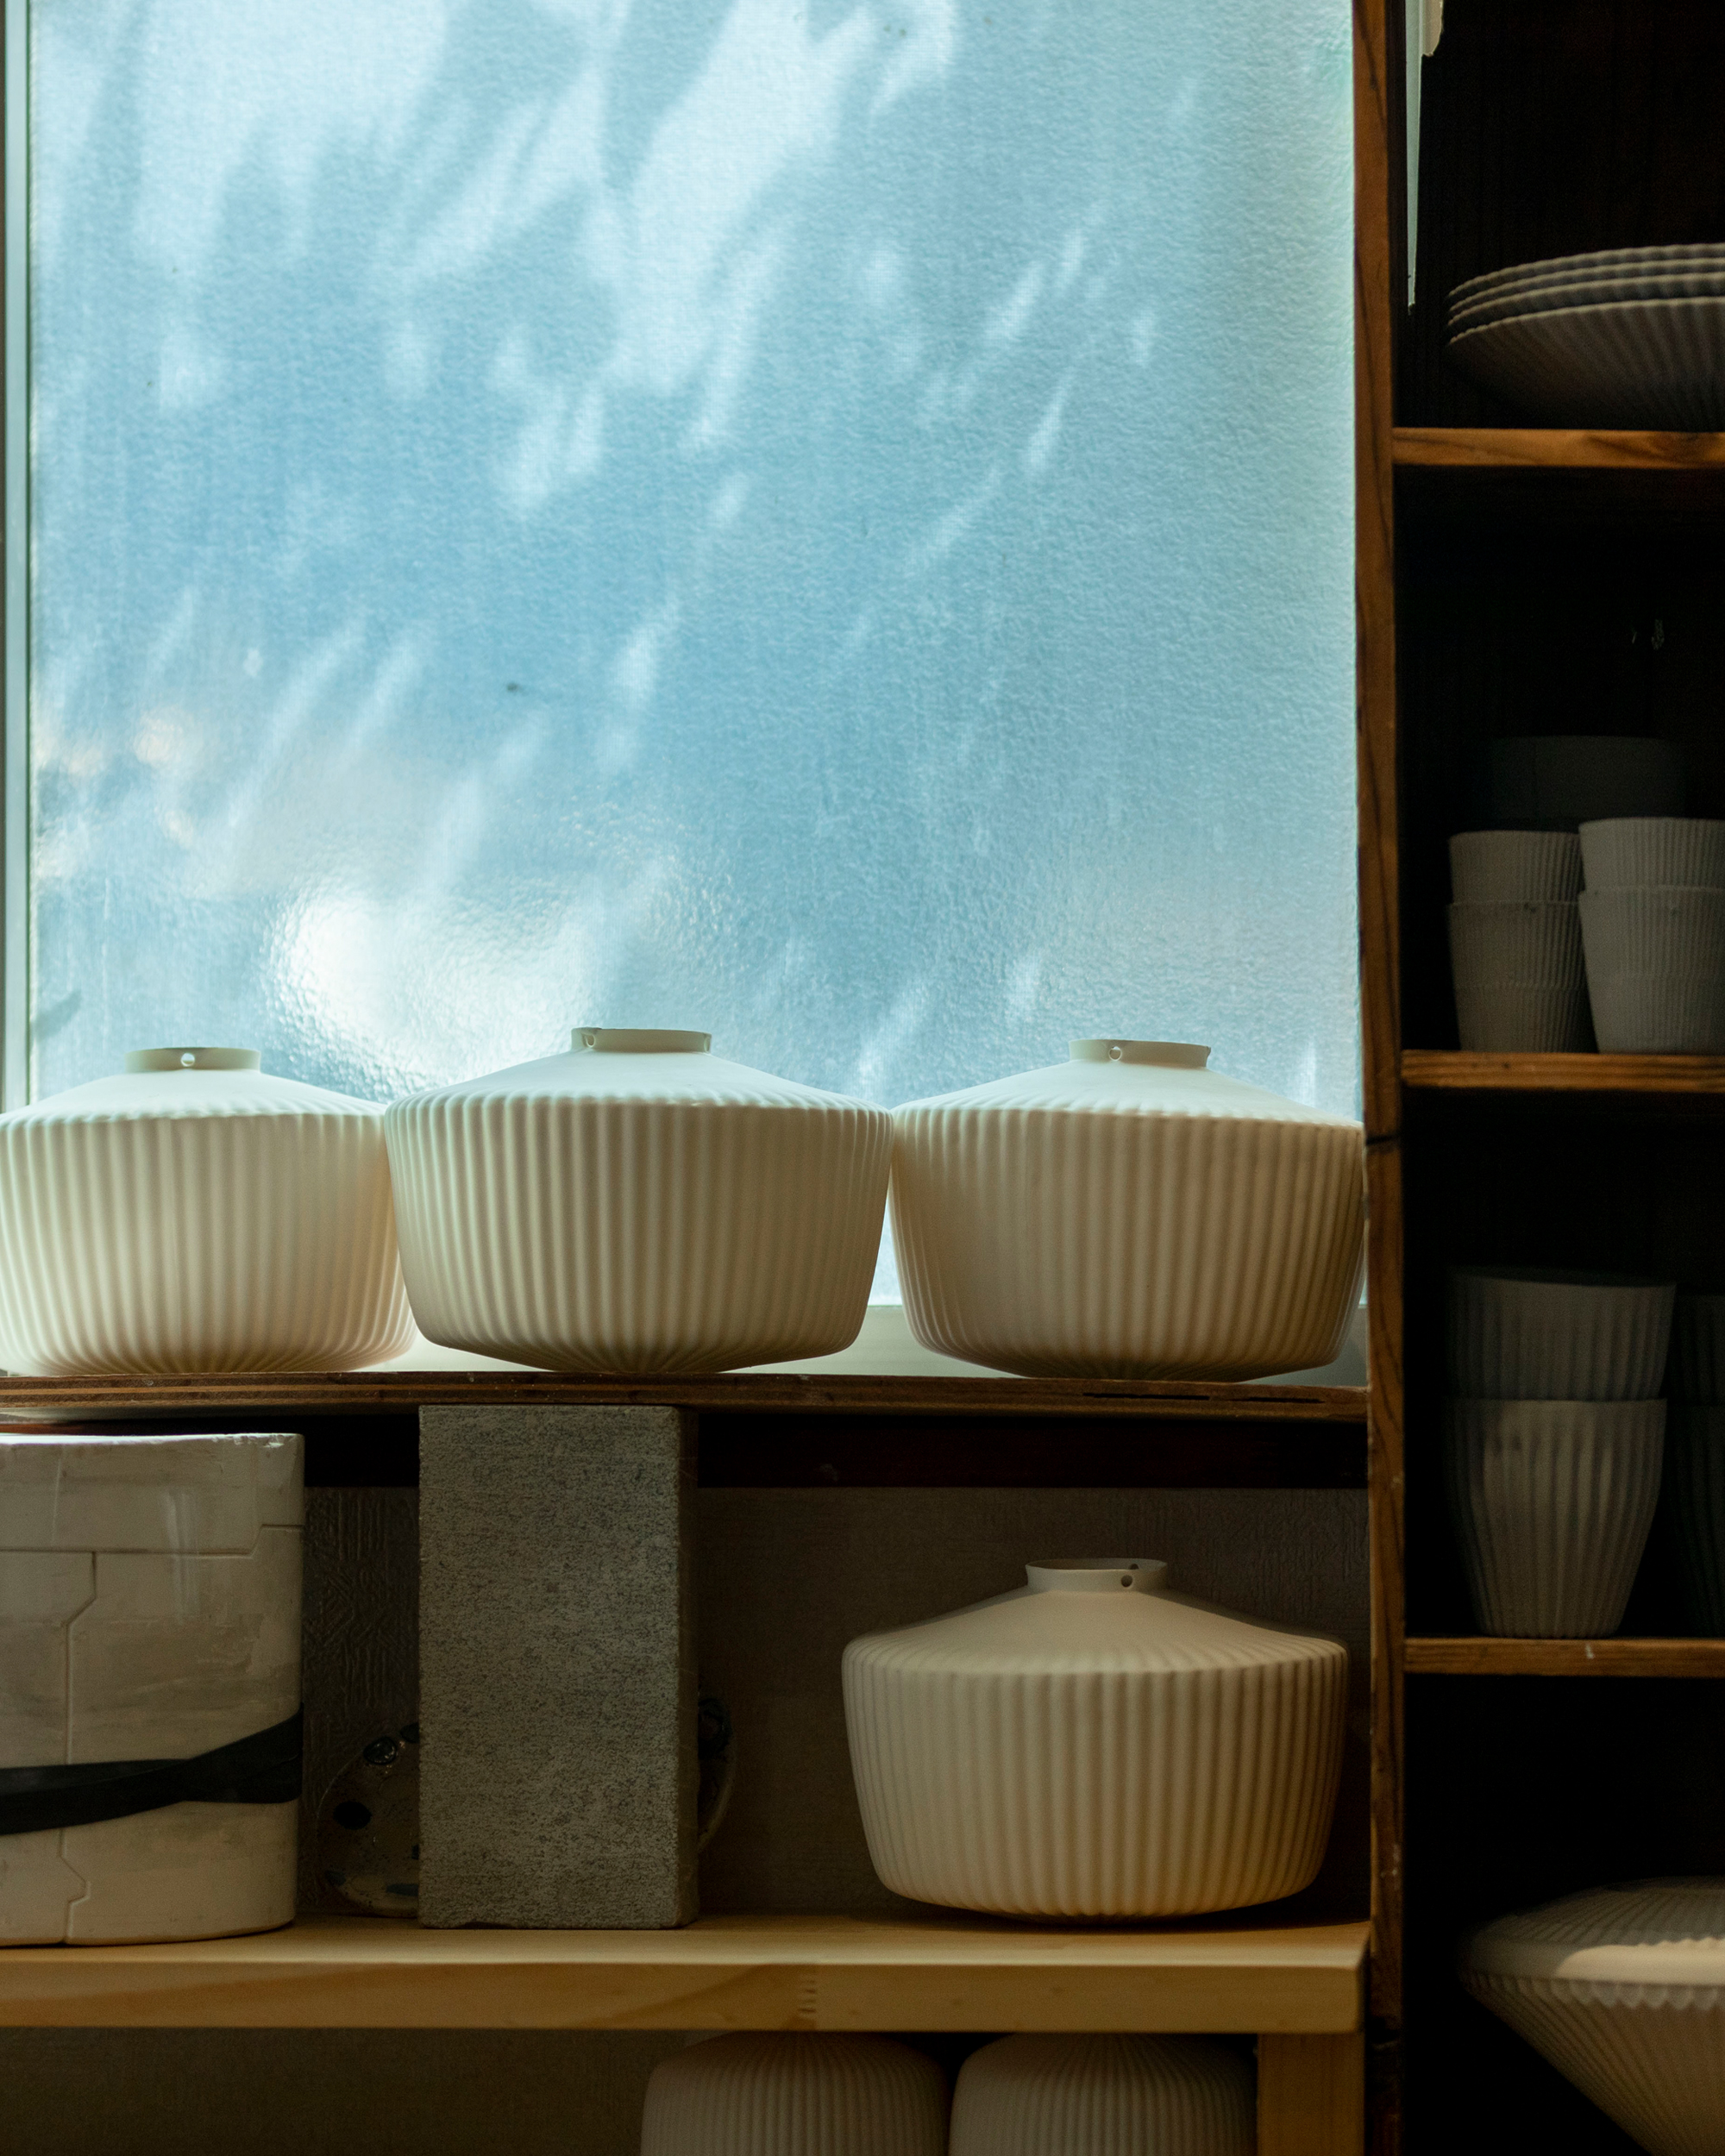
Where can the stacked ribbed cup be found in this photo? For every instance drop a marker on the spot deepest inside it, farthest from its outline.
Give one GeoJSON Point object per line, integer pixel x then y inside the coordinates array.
{"type": "Point", "coordinates": [1652, 926]}
{"type": "Point", "coordinates": [1553, 1442]}
{"type": "Point", "coordinates": [1516, 941]}
{"type": "Point", "coordinates": [1693, 1499]}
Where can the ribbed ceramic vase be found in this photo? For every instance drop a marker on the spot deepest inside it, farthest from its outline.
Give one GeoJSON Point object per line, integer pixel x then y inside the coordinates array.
{"type": "Point", "coordinates": [638, 1205]}
{"type": "Point", "coordinates": [197, 1214]}
{"type": "Point", "coordinates": [1552, 1500]}
{"type": "Point", "coordinates": [1093, 1745]}
{"type": "Point", "coordinates": [795, 2096]}
{"type": "Point", "coordinates": [1104, 2096]}
{"type": "Point", "coordinates": [1128, 1213]}
{"type": "Point", "coordinates": [1622, 1989]}
{"type": "Point", "coordinates": [1526, 1332]}
{"type": "Point", "coordinates": [1692, 1504]}
{"type": "Point", "coordinates": [150, 1612]}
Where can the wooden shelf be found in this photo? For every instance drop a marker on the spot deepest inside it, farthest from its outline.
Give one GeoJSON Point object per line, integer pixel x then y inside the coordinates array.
{"type": "Point", "coordinates": [1469, 1656]}
{"type": "Point", "coordinates": [1456, 1070]}
{"type": "Point", "coordinates": [826, 1972]}
{"type": "Point", "coordinates": [1554, 449]}
{"type": "Point", "coordinates": [387, 1392]}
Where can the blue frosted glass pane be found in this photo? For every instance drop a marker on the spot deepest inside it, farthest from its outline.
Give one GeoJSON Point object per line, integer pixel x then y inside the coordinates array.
{"type": "Point", "coordinates": [829, 522]}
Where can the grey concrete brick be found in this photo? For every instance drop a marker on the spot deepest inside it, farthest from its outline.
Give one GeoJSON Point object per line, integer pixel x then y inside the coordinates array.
{"type": "Point", "coordinates": [557, 1671]}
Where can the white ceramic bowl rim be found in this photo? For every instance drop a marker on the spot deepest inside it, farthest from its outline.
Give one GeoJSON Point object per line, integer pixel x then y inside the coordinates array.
{"type": "Point", "coordinates": [1171, 1055]}
{"type": "Point", "coordinates": [141, 1059]}
{"type": "Point", "coordinates": [1096, 1575]}
{"type": "Point", "coordinates": [1554, 1276]}
{"type": "Point", "coordinates": [635, 1040]}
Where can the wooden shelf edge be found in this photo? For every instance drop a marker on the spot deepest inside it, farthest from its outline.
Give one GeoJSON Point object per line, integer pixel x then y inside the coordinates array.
{"type": "Point", "coordinates": [386, 1392]}
{"type": "Point", "coordinates": [1471, 1657]}
{"type": "Point", "coordinates": [1461, 1071]}
{"type": "Point", "coordinates": [1555, 449]}
{"type": "Point", "coordinates": [843, 1973]}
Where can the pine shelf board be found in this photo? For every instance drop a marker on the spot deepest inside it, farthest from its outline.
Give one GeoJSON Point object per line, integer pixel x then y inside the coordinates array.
{"type": "Point", "coordinates": [1472, 1656]}
{"type": "Point", "coordinates": [392, 1391]}
{"type": "Point", "coordinates": [1554, 449]}
{"type": "Point", "coordinates": [930, 1972]}
{"type": "Point", "coordinates": [1458, 1070]}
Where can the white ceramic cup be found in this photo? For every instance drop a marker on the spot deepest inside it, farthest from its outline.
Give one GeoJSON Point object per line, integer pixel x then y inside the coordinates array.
{"type": "Point", "coordinates": [1656, 969]}
{"type": "Point", "coordinates": [1497, 867]}
{"type": "Point", "coordinates": [1551, 1501]}
{"type": "Point", "coordinates": [1520, 980]}
{"type": "Point", "coordinates": [1621, 852]}
{"type": "Point", "coordinates": [1529, 1333]}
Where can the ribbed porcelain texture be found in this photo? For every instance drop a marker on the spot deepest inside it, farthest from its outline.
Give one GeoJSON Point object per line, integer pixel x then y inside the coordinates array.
{"type": "Point", "coordinates": [1692, 1505]}
{"type": "Point", "coordinates": [200, 1217]}
{"type": "Point", "coordinates": [1622, 1989]}
{"type": "Point", "coordinates": [1128, 1214]}
{"type": "Point", "coordinates": [1627, 852]}
{"type": "Point", "coordinates": [638, 1205]}
{"type": "Point", "coordinates": [1518, 1333]}
{"type": "Point", "coordinates": [1656, 969]}
{"type": "Point", "coordinates": [1104, 2096]}
{"type": "Point", "coordinates": [1698, 1350]}
{"type": "Point", "coordinates": [1552, 1500]}
{"type": "Point", "coordinates": [1092, 1745]}
{"type": "Point", "coordinates": [795, 2096]}
{"type": "Point", "coordinates": [1497, 867]}
{"type": "Point", "coordinates": [1520, 984]}
{"type": "Point", "coordinates": [1631, 362]}
{"type": "Point", "coordinates": [1627, 260]}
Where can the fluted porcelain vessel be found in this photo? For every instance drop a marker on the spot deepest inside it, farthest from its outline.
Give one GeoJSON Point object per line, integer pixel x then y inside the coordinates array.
{"type": "Point", "coordinates": [150, 1612]}
{"type": "Point", "coordinates": [1622, 1989]}
{"type": "Point", "coordinates": [1553, 1500]}
{"type": "Point", "coordinates": [1104, 2096]}
{"type": "Point", "coordinates": [795, 2096]}
{"type": "Point", "coordinates": [638, 1205]}
{"type": "Point", "coordinates": [196, 1214]}
{"type": "Point", "coordinates": [1128, 1213]}
{"type": "Point", "coordinates": [1093, 1745]}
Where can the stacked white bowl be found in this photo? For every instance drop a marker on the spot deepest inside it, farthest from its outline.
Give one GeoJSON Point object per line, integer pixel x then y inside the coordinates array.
{"type": "Point", "coordinates": [1652, 928]}
{"type": "Point", "coordinates": [1516, 941]}
{"type": "Point", "coordinates": [1554, 1441]}
{"type": "Point", "coordinates": [1692, 1498]}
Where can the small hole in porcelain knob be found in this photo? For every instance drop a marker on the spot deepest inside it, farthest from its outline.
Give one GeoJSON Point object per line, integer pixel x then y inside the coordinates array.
{"type": "Point", "coordinates": [1115, 1053]}
{"type": "Point", "coordinates": [588, 1036]}
{"type": "Point", "coordinates": [1126, 1579]}
{"type": "Point", "coordinates": [188, 1061]}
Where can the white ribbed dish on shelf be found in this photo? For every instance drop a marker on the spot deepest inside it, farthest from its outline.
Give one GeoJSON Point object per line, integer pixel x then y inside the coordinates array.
{"type": "Point", "coordinates": [1622, 1989]}
{"type": "Point", "coordinates": [1553, 1500]}
{"type": "Point", "coordinates": [1128, 1214]}
{"type": "Point", "coordinates": [1499, 867]}
{"type": "Point", "coordinates": [795, 2096]}
{"type": "Point", "coordinates": [1622, 362]}
{"type": "Point", "coordinates": [1093, 1745]}
{"type": "Point", "coordinates": [149, 1610]}
{"type": "Point", "coordinates": [1627, 852]}
{"type": "Point", "coordinates": [638, 1205]}
{"type": "Point", "coordinates": [1526, 1332]}
{"type": "Point", "coordinates": [196, 1214]}
{"type": "Point", "coordinates": [1520, 984]}
{"type": "Point", "coordinates": [1104, 2096]}
{"type": "Point", "coordinates": [1656, 969]}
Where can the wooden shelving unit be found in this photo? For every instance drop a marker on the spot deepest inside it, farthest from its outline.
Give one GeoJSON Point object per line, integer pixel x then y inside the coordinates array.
{"type": "Point", "coordinates": [820, 1972]}
{"type": "Point", "coordinates": [1517, 579]}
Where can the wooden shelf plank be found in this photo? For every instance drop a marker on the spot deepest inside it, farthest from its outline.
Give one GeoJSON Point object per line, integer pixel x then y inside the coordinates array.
{"type": "Point", "coordinates": [1456, 1070]}
{"type": "Point", "coordinates": [827, 1973]}
{"type": "Point", "coordinates": [1554, 449]}
{"type": "Point", "coordinates": [1469, 1656]}
{"type": "Point", "coordinates": [390, 1392]}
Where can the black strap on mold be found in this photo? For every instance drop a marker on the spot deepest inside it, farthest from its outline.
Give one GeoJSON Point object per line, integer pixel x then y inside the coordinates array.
{"type": "Point", "coordinates": [260, 1770]}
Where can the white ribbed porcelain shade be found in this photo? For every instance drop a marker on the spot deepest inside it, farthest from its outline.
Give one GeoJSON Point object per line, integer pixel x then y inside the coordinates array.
{"type": "Point", "coordinates": [1092, 1745]}
{"type": "Point", "coordinates": [1104, 2096]}
{"type": "Point", "coordinates": [796, 2095]}
{"type": "Point", "coordinates": [638, 1205]}
{"type": "Point", "coordinates": [1128, 1214]}
{"type": "Point", "coordinates": [1552, 1500]}
{"type": "Point", "coordinates": [197, 1214]}
{"type": "Point", "coordinates": [1622, 1989]}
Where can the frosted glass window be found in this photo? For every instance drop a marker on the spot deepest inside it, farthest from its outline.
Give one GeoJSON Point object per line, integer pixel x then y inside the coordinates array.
{"type": "Point", "coordinates": [828, 522]}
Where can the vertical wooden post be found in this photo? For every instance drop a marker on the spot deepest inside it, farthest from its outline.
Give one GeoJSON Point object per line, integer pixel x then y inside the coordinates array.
{"type": "Point", "coordinates": [1311, 2095]}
